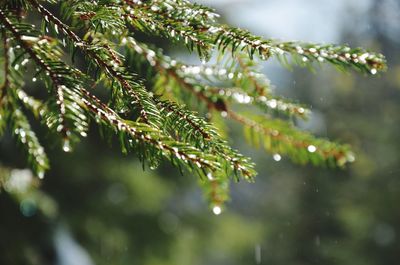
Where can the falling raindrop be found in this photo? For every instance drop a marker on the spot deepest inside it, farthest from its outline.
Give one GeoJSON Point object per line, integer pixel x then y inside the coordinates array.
{"type": "Point", "coordinates": [67, 146]}
{"type": "Point", "coordinates": [257, 254]}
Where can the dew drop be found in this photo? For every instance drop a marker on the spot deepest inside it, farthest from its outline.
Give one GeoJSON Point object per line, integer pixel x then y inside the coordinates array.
{"type": "Point", "coordinates": [277, 157]}
{"type": "Point", "coordinates": [217, 210]}
{"type": "Point", "coordinates": [40, 174]}
{"type": "Point", "coordinates": [311, 148]}
{"type": "Point", "coordinates": [28, 207]}
{"type": "Point", "coordinates": [351, 158]}
{"type": "Point", "coordinates": [374, 71]}
{"type": "Point", "coordinates": [34, 79]}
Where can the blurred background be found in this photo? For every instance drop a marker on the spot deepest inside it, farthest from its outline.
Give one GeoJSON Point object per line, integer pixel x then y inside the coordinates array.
{"type": "Point", "coordinates": [96, 206]}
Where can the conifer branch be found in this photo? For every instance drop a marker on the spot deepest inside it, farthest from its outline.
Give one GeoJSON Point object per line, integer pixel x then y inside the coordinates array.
{"type": "Point", "coordinates": [63, 128]}
{"type": "Point", "coordinates": [176, 151]}
{"type": "Point", "coordinates": [203, 135]}
{"type": "Point", "coordinates": [27, 139]}
{"type": "Point", "coordinates": [6, 63]}
{"type": "Point", "coordinates": [327, 151]}
{"type": "Point", "coordinates": [103, 58]}
{"type": "Point", "coordinates": [162, 127]}
{"type": "Point", "coordinates": [303, 53]}
{"type": "Point", "coordinates": [281, 138]}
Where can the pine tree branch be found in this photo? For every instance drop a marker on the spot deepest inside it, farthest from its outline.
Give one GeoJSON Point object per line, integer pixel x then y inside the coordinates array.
{"type": "Point", "coordinates": [269, 104]}
{"type": "Point", "coordinates": [148, 111]}
{"type": "Point", "coordinates": [215, 99]}
{"type": "Point", "coordinates": [196, 130]}
{"type": "Point", "coordinates": [303, 53]}
{"type": "Point", "coordinates": [63, 129]}
{"type": "Point", "coordinates": [6, 62]}
{"type": "Point", "coordinates": [26, 137]}
{"type": "Point", "coordinates": [165, 129]}
{"type": "Point", "coordinates": [150, 135]}
{"type": "Point", "coordinates": [300, 146]}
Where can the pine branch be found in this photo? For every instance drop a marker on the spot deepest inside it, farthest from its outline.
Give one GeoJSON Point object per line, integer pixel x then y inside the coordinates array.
{"type": "Point", "coordinates": [6, 63]}
{"type": "Point", "coordinates": [103, 58]}
{"type": "Point", "coordinates": [11, 116]}
{"type": "Point", "coordinates": [6, 81]}
{"type": "Point", "coordinates": [296, 148]}
{"type": "Point", "coordinates": [203, 135]}
{"type": "Point", "coordinates": [70, 118]}
{"type": "Point", "coordinates": [27, 139]}
{"type": "Point", "coordinates": [196, 26]}
{"type": "Point", "coordinates": [177, 152]}
{"type": "Point", "coordinates": [162, 127]}
{"type": "Point", "coordinates": [177, 21]}
{"type": "Point", "coordinates": [279, 137]}
{"type": "Point", "coordinates": [304, 54]}
{"type": "Point", "coordinates": [269, 104]}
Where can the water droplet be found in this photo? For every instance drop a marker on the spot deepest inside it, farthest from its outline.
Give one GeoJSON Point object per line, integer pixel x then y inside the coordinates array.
{"type": "Point", "coordinates": [311, 148]}
{"type": "Point", "coordinates": [67, 146]}
{"type": "Point", "coordinates": [34, 79]}
{"type": "Point", "coordinates": [374, 71]}
{"type": "Point", "coordinates": [224, 114]}
{"type": "Point", "coordinates": [257, 254]}
{"type": "Point", "coordinates": [277, 157]}
{"type": "Point", "coordinates": [217, 210]}
{"type": "Point", "coordinates": [351, 158]}
{"type": "Point", "coordinates": [155, 8]}
{"type": "Point", "coordinates": [209, 71]}
{"type": "Point", "coordinates": [28, 207]}
{"type": "Point", "coordinates": [40, 174]}
{"type": "Point", "coordinates": [272, 103]}
{"type": "Point", "coordinates": [25, 61]}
